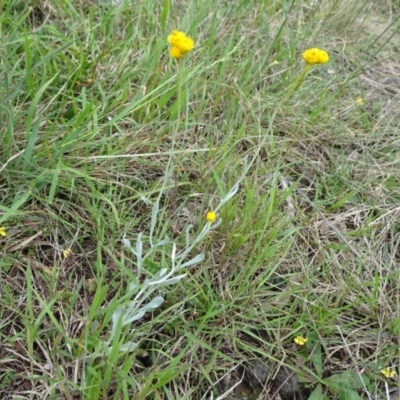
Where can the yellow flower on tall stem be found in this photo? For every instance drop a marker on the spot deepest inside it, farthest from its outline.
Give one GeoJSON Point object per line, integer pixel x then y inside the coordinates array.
{"type": "Point", "coordinates": [315, 56]}
{"type": "Point", "coordinates": [311, 57]}
{"type": "Point", "coordinates": [180, 44]}
{"type": "Point", "coordinates": [3, 231]}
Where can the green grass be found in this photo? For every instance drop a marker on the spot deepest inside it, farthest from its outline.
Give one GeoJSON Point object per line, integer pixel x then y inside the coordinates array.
{"type": "Point", "coordinates": [103, 138]}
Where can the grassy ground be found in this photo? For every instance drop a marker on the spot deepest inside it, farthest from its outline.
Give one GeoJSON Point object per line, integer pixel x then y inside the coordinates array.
{"type": "Point", "coordinates": [105, 138]}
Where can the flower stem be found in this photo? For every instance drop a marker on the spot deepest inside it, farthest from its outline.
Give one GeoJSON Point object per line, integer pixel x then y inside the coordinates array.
{"type": "Point", "coordinates": [296, 84]}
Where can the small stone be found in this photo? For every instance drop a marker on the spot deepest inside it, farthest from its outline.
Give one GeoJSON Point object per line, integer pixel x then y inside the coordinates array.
{"type": "Point", "coordinates": [257, 373]}
{"type": "Point", "coordinates": [286, 383]}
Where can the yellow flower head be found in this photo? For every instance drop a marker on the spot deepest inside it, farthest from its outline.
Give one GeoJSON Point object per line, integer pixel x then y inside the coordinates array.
{"type": "Point", "coordinates": [3, 231]}
{"type": "Point", "coordinates": [175, 52]}
{"type": "Point", "coordinates": [181, 44]}
{"type": "Point", "coordinates": [67, 253]}
{"type": "Point", "coordinates": [360, 101]}
{"type": "Point", "coordinates": [300, 340]}
{"type": "Point", "coordinates": [315, 56]}
{"type": "Point", "coordinates": [388, 372]}
{"type": "Point", "coordinates": [211, 216]}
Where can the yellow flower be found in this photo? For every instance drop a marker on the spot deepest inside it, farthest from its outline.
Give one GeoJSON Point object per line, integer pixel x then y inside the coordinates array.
{"type": "Point", "coordinates": [3, 231]}
{"type": "Point", "coordinates": [211, 216]}
{"type": "Point", "coordinates": [360, 101]}
{"type": "Point", "coordinates": [67, 253]}
{"type": "Point", "coordinates": [300, 340]}
{"type": "Point", "coordinates": [175, 52]}
{"type": "Point", "coordinates": [315, 56]}
{"type": "Point", "coordinates": [388, 372]}
{"type": "Point", "coordinates": [181, 44]}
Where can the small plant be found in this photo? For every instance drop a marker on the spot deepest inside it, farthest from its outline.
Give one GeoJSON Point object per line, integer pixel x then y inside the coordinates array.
{"type": "Point", "coordinates": [344, 385]}
{"type": "Point", "coordinates": [140, 294]}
